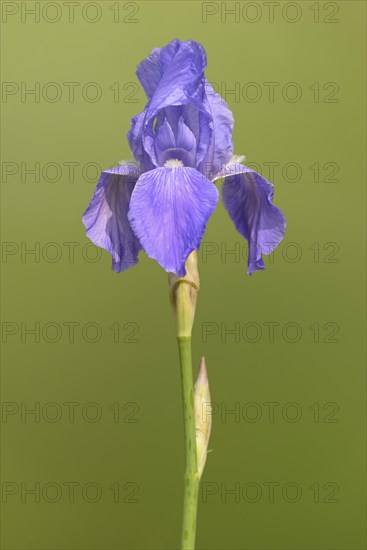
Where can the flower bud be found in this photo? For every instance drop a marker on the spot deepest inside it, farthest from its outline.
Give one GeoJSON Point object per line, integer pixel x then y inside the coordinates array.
{"type": "Point", "coordinates": [203, 415]}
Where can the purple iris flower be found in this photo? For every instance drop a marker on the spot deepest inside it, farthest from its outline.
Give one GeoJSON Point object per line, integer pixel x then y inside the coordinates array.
{"type": "Point", "coordinates": [181, 143]}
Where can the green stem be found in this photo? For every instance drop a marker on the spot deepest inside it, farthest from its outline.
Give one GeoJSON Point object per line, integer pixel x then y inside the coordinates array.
{"type": "Point", "coordinates": [191, 474]}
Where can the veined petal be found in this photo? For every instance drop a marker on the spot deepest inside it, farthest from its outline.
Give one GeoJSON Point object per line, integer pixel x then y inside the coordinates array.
{"type": "Point", "coordinates": [181, 146]}
{"type": "Point", "coordinates": [223, 122]}
{"type": "Point", "coordinates": [185, 138]}
{"type": "Point", "coordinates": [196, 120]}
{"type": "Point", "coordinates": [134, 136]}
{"type": "Point", "coordinates": [248, 198]}
{"type": "Point", "coordinates": [230, 169]}
{"type": "Point", "coordinates": [149, 71]}
{"type": "Point", "coordinates": [106, 216]}
{"type": "Point", "coordinates": [126, 168]}
{"type": "Point", "coordinates": [171, 73]}
{"type": "Point", "coordinates": [173, 79]}
{"type": "Point", "coordinates": [169, 210]}
{"type": "Point", "coordinates": [164, 140]}
{"type": "Point", "coordinates": [179, 84]}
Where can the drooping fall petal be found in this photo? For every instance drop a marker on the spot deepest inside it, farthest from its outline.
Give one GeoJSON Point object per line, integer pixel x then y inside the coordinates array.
{"type": "Point", "coordinates": [106, 216]}
{"type": "Point", "coordinates": [169, 210]}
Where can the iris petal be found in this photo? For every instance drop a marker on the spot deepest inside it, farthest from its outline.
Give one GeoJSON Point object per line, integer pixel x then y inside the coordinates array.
{"type": "Point", "coordinates": [181, 146]}
{"type": "Point", "coordinates": [173, 78]}
{"type": "Point", "coordinates": [230, 169]}
{"type": "Point", "coordinates": [134, 136]}
{"type": "Point", "coordinates": [169, 210]}
{"type": "Point", "coordinates": [248, 199]}
{"type": "Point", "coordinates": [106, 216]}
{"type": "Point", "coordinates": [169, 72]}
{"type": "Point", "coordinates": [223, 128]}
{"type": "Point", "coordinates": [185, 138]}
{"type": "Point", "coordinates": [164, 140]}
{"type": "Point", "coordinates": [174, 81]}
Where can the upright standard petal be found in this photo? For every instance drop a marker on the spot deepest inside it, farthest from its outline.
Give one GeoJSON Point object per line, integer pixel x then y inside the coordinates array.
{"type": "Point", "coordinates": [174, 81]}
{"type": "Point", "coordinates": [134, 136]}
{"type": "Point", "coordinates": [223, 123]}
{"type": "Point", "coordinates": [106, 216]}
{"type": "Point", "coordinates": [169, 210]}
{"type": "Point", "coordinates": [176, 62]}
{"type": "Point", "coordinates": [248, 197]}
{"type": "Point", "coordinates": [181, 78]}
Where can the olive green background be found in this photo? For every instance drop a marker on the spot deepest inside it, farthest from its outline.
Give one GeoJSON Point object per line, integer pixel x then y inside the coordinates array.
{"type": "Point", "coordinates": [305, 284]}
